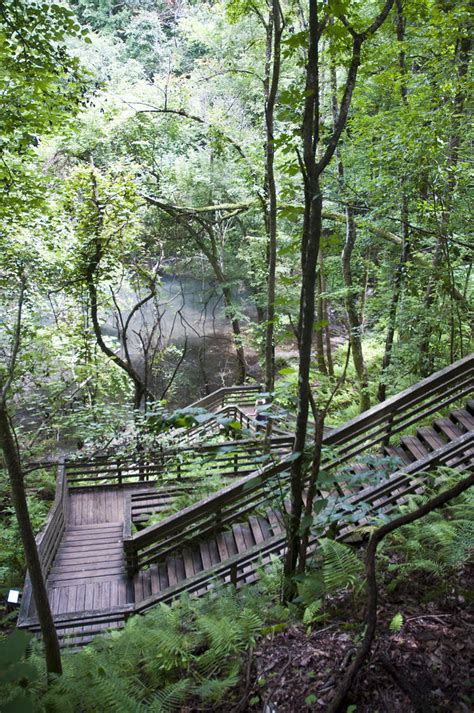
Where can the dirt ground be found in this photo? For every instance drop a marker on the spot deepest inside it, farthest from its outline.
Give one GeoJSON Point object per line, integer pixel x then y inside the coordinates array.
{"type": "Point", "coordinates": [431, 656]}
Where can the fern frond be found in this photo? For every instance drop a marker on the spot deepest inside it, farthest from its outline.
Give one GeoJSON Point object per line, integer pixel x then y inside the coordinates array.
{"type": "Point", "coordinates": [341, 566]}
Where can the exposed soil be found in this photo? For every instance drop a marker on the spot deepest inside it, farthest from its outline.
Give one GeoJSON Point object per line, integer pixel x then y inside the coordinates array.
{"type": "Point", "coordinates": [433, 654]}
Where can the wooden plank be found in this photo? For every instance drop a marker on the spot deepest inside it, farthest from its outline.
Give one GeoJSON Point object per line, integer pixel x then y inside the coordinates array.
{"type": "Point", "coordinates": [205, 555]}
{"type": "Point", "coordinates": [213, 551]}
{"type": "Point", "coordinates": [431, 437]}
{"type": "Point", "coordinates": [448, 428]}
{"type": "Point", "coordinates": [171, 571]}
{"type": "Point", "coordinates": [222, 546]}
{"type": "Point", "coordinates": [188, 562]}
{"type": "Point", "coordinates": [399, 453]}
{"type": "Point", "coordinates": [163, 577]}
{"type": "Point", "coordinates": [239, 538]}
{"type": "Point", "coordinates": [197, 561]}
{"type": "Point", "coordinates": [230, 542]}
{"type": "Point", "coordinates": [274, 522]}
{"type": "Point", "coordinates": [248, 537]}
{"type": "Point", "coordinates": [95, 527]}
{"type": "Point", "coordinates": [180, 571]}
{"type": "Point", "coordinates": [264, 527]}
{"type": "Point", "coordinates": [154, 579]}
{"type": "Point", "coordinates": [256, 529]}
{"type": "Point", "coordinates": [138, 586]}
{"type": "Point", "coordinates": [414, 447]}
{"type": "Point", "coordinates": [463, 417]}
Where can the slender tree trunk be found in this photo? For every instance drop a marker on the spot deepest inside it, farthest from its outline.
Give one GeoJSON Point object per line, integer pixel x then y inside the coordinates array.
{"type": "Point", "coordinates": [319, 338]}
{"type": "Point", "coordinates": [353, 319]}
{"type": "Point", "coordinates": [355, 335]}
{"type": "Point", "coordinates": [396, 294]}
{"type": "Point", "coordinates": [275, 31]}
{"type": "Point", "coordinates": [239, 347]}
{"type": "Point", "coordinates": [309, 257]}
{"type": "Point", "coordinates": [13, 467]}
{"type": "Point", "coordinates": [325, 313]}
{"type": "Point", "coordinates": [311, 492]}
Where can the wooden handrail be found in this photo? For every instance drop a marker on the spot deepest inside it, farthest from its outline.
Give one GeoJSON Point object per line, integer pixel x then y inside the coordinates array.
{"type": "Point", "coordinates": [220, 396]}
{"type": "Point", "coordinates": [152, 466]}
{"type": "Point", "coordinates": [155, 541]}
{"type": "Point", "coordinates": [48, 540]}
{"type": "Point", "coordinates": [380, 423]}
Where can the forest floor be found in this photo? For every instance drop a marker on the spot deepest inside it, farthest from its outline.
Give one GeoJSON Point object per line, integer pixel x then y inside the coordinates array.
{"type": "Point", "coordinates": [297, 670]}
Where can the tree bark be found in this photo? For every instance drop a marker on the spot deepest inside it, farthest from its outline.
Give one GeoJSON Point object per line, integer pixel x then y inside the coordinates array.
{"type": "Point", "coordinates": [355, 327]}
{"type": "Point", "coordinates": [13, 467]}
{"type": "Point", "coordinates": [274, 30]}
{"type": "Point", "coordinates": [325, 314]}
{"type": "Point", "coordinates": [319, 338]}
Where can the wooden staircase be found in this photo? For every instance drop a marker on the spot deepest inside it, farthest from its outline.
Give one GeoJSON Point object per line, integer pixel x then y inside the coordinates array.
{"type": "Point", "coordinates": [99, 571]}
{"type": "Point", "coordinates": [248, 533]}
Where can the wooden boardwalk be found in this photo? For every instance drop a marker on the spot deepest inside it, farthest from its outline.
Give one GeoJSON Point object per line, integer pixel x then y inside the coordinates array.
{"type": "Point", "coordinates": [99, 570]}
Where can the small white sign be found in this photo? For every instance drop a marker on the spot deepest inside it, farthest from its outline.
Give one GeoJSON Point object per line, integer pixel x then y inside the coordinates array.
{"type": "Point", "coordinates": [13, 596]}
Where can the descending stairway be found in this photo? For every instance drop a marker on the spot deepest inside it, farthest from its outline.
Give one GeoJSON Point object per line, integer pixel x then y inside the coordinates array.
{"type": "Point", "coordinates": [99, 571]}
{"type": "Point", "coordinates": [269, 522]}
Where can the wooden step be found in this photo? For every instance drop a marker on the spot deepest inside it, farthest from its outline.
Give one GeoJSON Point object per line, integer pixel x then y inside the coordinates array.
{"type": "Point", "coordinates": [470, 406]}
{"type": "Point", "coordinates": [447, 428]}
{"type": "Point", "coordinates": [400, 453]}
{"type": "Point", "coordinates": [431, 438]}
{"type": "Point", "coordinates": [415, 447]}
{"type": "Point", "coordinates": [464, 418]}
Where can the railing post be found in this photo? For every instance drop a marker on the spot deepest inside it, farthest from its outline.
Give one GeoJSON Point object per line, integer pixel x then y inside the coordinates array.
{"type": "Point", "coordinates": [236, 463]}
{"type": "Point", "coordinates": [233, 574]}
{"type": "Point", "coordinates": [131, 557]}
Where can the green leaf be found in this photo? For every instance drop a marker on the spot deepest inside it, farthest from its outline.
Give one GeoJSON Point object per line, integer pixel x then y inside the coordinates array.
{"type": "Point", "coordinates": [396, 623]}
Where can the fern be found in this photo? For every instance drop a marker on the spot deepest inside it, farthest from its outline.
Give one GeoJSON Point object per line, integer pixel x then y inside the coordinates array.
{"type": "Point", "coordinates": [439, 542]}
{"type": "Point", "coordinates": [338, 568]}
{"type": "Point", "coordinates": [342, 567]}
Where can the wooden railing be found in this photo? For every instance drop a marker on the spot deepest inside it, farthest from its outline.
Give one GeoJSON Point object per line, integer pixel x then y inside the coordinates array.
{"type": "Point", "coordinates": [362, 434]}
{"type": "Point", "coordinates": [243, 567]}
{"type": "Point", "coordinates": [50, 536]}
{"type": "Point", "coordinates": [380, 424]}
{"type": "Point", "coordinates": [244, 395]}
{"type": "Point", "coordinates": [227, 458]}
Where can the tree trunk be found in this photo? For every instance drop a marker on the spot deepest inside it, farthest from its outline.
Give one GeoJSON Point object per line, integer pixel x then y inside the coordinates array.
{"type": "Point", "coordinates": [405, 251]}
{"type": "Point", "coordinates": [325, 314]}
{"type": "Point", "coordinates": [355, 335]}
{"type": "Point", "coordinates": [396, 293]}
{"type": "Point", "coordinates": [239, 348]}
{"type": "Point", "coordinates": [319, 339]}
{"type": "Point", "coordinates": [13, 466]}
{"type": "Point", "coordinates": [309, 257]}
{"type": "Point", "coordinates": [275, 30]}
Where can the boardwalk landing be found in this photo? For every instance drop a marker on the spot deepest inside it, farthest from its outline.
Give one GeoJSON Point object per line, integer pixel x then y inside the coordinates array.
{"type": "Point", "coordinates": [99, 572]}
{"type": "Point", "coordinates": [88, 572]}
